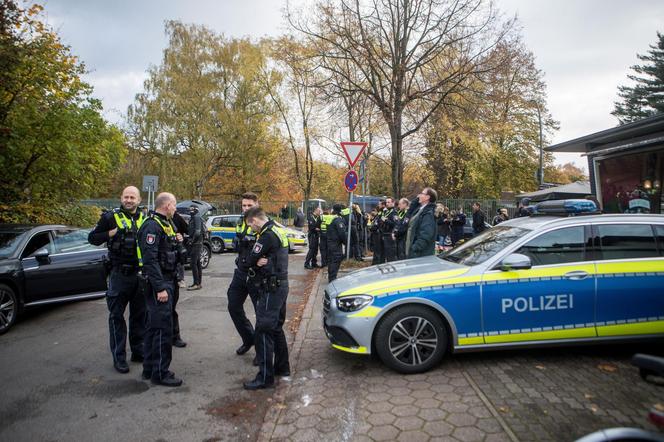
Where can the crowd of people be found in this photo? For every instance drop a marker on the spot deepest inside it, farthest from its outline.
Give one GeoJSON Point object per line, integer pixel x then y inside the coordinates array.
{"type": "Point", "coordinates": [147, 255]}
{"type": "Point", "coordinates": [393, 230]}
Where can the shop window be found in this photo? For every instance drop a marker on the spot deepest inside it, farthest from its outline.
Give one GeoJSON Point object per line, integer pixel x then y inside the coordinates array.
{"type": "Point", "coordinates": [632, 183]}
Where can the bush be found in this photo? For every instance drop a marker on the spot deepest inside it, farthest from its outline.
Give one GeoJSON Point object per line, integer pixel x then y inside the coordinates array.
{"type": "Point", "coordinates": [73, 214]}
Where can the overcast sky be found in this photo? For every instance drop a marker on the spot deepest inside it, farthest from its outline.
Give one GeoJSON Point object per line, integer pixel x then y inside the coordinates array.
{"type": "Point", "coordinates": [584, 47]}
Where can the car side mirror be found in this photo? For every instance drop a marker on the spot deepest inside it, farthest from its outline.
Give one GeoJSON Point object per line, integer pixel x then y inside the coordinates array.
{"type": "Point", "coordinates": [515, 261]}
{"type": "Point", "coordinates": [41, 256]}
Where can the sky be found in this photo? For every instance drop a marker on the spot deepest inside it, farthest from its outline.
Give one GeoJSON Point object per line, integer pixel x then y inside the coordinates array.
{"type": "Point", "coordinates": [584, 47]}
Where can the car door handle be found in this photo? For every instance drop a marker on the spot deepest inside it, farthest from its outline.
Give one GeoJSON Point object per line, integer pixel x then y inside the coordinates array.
{"type": "Point", "coordinates": [577, 275]}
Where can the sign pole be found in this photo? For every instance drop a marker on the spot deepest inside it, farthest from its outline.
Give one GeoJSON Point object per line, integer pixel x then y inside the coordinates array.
{"type": "Point", "coordinates": [350, 223]}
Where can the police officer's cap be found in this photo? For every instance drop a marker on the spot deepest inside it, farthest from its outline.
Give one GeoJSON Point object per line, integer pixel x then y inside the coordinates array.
{"type": "Point", "coordinates": [337, 208]}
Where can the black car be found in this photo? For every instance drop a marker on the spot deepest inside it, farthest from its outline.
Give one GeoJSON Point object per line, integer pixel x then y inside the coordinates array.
{"type": "Point", "coordinates": [47, 264]}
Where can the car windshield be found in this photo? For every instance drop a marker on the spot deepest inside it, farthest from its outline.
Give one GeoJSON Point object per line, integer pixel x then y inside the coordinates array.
{"type": "Point", "coordinates": [9, 241]}
{"type": "Point", "coordinates": [484, 246]}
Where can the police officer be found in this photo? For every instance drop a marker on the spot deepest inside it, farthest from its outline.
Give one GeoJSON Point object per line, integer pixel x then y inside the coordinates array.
{"type": "Point", "coordinates": [389, 220]}
{"type": "Point", "coordinates": [181, 227]}
{"type": "Point", "coordinates": [376, 230]}
{"type": "Point", "coordinates": [325, 221]}
{"type": "Point", "coordinates": [159, 255]}
{"type": "Point", "coordinates": [196, 233]}
{"type": "Point", "coordinates": [336, 237]}
{"type": "Point", "coordinates": [118, 229]}
{"type": "Point", "coordinates": [268, 263]}
{"type": "Point", "coordinates": [244, 241]}
{"type": "Point", "coordinates": [313, 237]}
{"type": "Point", "coordinates": [401, 229]}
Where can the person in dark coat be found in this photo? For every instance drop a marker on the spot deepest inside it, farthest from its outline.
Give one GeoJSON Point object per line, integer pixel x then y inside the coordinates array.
{"type": "Point", "coordinates": [336, 236]}
{"type": "Point", "coordinates": [421, 239]}
{"type": "Point", "coordinates": [196, 233]}
{"type": "Point", "coordinates": [479, 219]}
{"type": "Point", "coordinates": [457, 223]}
{"type": "Point", "coordinates": [298, 221]}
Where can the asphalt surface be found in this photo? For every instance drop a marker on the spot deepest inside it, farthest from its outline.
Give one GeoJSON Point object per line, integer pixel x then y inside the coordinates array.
{"type": "Point", "coordinates": [58, 381]}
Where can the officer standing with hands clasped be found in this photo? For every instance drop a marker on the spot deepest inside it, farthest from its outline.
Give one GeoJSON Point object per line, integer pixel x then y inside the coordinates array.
{"type": "Point", "coordinates": [159, 255]}
{"type": "Point", "coordinates": [268, 272]}
{"type": "Point", "coordinates": [313, 234]}
{"type": "Point", "coordinates": [118, 229]}
{"type": "Point", "coordinates": [336, 238]}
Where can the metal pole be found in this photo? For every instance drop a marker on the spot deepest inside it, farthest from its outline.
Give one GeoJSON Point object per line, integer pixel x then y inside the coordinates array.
{"type": "Point", "coordinates": [364, 212]}
{"type": "Point", "coordinates": [541, 151]}
{"type": "Point", "coordinates": [350, 222]}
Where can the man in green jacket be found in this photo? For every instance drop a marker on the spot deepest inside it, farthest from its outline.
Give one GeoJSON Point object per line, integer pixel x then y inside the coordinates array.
{"type": "Point", "coordinates": [421, 238]}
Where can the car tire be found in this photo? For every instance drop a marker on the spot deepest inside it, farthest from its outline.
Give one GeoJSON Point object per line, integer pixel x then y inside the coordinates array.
{"type": "Point", "coordinates": [217, 245]}
{"type": "Point", "coordinates": [411, 339]}
{"type": "Point", "coordinates": [206, 253]}
{"type": "Point", "coordinates": [8, 308]}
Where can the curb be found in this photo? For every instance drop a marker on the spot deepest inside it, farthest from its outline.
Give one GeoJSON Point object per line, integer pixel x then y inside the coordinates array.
{"type": "Point", "coordinates": [274, 412]}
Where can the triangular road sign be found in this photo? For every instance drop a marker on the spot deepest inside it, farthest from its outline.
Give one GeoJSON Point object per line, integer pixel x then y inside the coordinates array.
{"type": "Point", "coordinates": [353, 150]}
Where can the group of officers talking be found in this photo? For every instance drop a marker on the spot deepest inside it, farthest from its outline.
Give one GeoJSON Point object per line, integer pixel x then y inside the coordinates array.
{"type": "Point", "coordinates": [387, 225]}
{"type": "Point", "coordinates": [145, 253]}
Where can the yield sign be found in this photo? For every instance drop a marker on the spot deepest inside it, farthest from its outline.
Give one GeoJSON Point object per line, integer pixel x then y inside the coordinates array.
{"type": "Point", "coordinates": [353, 150]}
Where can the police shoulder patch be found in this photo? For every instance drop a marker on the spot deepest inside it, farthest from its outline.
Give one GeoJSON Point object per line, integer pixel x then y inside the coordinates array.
{"type": "Point", "coordinates": [258, 247]}
{"type": "Point", "coordinates": [150, 238]}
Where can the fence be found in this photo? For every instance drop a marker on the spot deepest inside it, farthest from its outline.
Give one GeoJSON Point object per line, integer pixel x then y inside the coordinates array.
{"type": "Point", "coordinates": [273, 208]}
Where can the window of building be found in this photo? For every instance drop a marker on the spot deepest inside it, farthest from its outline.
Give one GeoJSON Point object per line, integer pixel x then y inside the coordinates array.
{"type": "Point", "coordinates": [632, 183]}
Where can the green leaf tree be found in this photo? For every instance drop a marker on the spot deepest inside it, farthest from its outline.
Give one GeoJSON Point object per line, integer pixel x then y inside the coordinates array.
{"type": "Point", "coordinates": [55, 144]}
{"type": "Point", "coordinates": [646, 97]}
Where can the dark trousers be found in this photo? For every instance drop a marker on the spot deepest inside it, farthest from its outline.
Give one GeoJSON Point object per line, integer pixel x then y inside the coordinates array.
{"type": "Point", "coordinates": [334, 257]}
{"type": "Point", "coordinates": [196, 266]}
{"type": "Point", "coordinates": [271, 345]}
{"type": "Point", "coordinates": [158, 347]}
{"type": "Point", "coordinates": [401, 248]}
{"type": "Point", "coordinates": [377, 242]}
{"type": "Point", "coordinates": [389, 248]}
{"type": "Point", "coordinates": [312, 253]}
{"type": "Point", "coordinates": [323, 249]}
{"type": "Point", "coordinates": [176, 318]}
{"type": "Point", "coordinates": [123, 290]}
{"type": "Point", "coordinates": [237, 295]}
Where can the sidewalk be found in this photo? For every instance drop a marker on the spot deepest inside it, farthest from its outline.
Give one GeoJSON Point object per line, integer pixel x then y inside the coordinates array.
{"type": "Point", "coordinates": [335, 396]}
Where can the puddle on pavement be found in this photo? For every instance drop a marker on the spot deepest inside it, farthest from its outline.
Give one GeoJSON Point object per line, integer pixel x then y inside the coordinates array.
{"type": "Point", "coordinates": [119, 388]}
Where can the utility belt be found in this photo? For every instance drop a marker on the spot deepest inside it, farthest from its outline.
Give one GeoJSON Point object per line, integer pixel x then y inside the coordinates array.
{"type": "Point", "coordinates": [270, 283]}
{"type": "Point", "coordinates": [125, 269]}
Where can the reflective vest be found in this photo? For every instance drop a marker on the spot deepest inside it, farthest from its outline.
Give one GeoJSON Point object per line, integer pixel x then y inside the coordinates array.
{"type": "Point", "coordinates": [277, 261]}
{"type": "Point", "coordinates": [168, 230]}
{"type": "Point", "coordinates": [326, 220]}
{"type": "Point", "coordinates": [121, 247]}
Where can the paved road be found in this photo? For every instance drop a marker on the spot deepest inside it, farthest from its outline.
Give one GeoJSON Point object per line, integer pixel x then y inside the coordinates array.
{"type": "Point", "coordinates": [528, 395]}
{"type": "Point", "coordinates": [58, 382]}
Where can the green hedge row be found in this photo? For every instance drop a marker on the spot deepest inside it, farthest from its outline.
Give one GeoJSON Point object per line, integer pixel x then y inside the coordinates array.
{"type": "Point", "coordinates": [72, 214]}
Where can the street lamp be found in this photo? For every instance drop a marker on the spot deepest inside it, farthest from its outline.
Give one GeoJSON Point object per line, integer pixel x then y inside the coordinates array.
{"type": "Point", "coordinates": [541, 150]}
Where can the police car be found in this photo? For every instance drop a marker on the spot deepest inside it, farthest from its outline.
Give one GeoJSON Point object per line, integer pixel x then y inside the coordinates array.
{"type": "Point", "coordinates": [532, 281]}
{"type": "Point", "coordinates": [222, 233]}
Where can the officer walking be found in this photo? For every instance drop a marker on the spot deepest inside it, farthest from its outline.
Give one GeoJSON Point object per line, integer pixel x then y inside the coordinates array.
{"type": "Point", "coordinates": [118, 229]}
{"type": "Point", "coordinates": [244, 241]}
{"type": "Point", "coordinates": [336, 237]}
{"type": "Point", "coordinates": [159, 255]}
{"type": "Point", "coordinates": [313, 238]}
{"type": "Point", "coordinates": [268, 263]}
{"type": "Point", "coordinates": [196, 235]}
{"type": "Point", "coordinates": [389, 220]}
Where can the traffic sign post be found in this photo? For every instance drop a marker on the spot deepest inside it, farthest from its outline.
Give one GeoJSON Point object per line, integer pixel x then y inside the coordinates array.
{"type": "Point", "coordinates": [150, 183]}
{"type": "Point", "coordinates": [353, 150]}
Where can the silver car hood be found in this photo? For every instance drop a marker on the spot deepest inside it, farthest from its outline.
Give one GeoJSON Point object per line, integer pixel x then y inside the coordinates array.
{"type": "Point", "coordinates": [391, 270]}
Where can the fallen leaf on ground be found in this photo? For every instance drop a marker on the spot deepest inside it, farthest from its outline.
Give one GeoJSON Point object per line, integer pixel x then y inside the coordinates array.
{"type": "Point", "coordinates": [609, 368]}
{"type": "Point", "coordinates": [658, 407]}
{"type": "Point", "coordinates": [504, 409]}
{"type": "Point", "coordinates": [540, 367]}
{"type": "Point", "coordinates": [588, 396]}
{"type": "Point", "coordinates": [594, 408]}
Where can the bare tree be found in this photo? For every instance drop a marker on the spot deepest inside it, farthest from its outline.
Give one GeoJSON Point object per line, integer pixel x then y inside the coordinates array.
{"type": "Point", "coordinates": [402, 54]}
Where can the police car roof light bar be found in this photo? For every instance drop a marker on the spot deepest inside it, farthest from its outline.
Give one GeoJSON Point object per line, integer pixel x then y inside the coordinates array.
{"type": "Point", "coordinates": [569, 207]}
